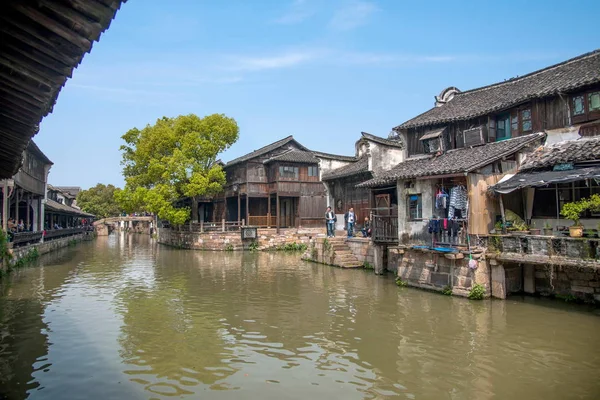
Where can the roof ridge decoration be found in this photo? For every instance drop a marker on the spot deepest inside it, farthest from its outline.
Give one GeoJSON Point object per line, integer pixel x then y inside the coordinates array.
{"type": "Point", "coordinates": [568, 75]}
{"type": "Point", "coordinates": [381, 140]}
{"type": "Point", "coordinates": [331, 156]}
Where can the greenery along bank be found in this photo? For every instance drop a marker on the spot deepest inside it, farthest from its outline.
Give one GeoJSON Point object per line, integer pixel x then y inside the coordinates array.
{"type": "Point", "coordinates": [173, 159]}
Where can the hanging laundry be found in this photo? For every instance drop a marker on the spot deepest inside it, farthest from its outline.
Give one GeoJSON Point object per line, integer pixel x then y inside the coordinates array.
{"type": "Point", "coordinates": [434, 226]}
{"type": "Point", "coordinates": [441, 200]}
{"type": "Point", "coordinates": [458, 200]}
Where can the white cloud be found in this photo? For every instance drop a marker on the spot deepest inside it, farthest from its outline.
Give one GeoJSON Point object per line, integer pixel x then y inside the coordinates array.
{"type": "Point", "coordinates": [284, 60]}
{"type": "Point", "coordinates": [297, 12]}
{"type": "Point", "coordinates": [352, 15]}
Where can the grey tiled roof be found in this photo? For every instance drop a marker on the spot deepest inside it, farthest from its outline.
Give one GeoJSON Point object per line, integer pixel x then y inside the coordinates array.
{"type": "Point", "coordinates": [358, 167]}
{"type": "Point", "coordinates": [295, 156]}
{"type": "Point", "coordinates": [380, 140]}
{"type": "Point", "coordinates": [57, 207]}
{"type": "Point", "coordinates": [584, 149]}
{"type": "Point", "coordinates": [338, 157]}
{"type": "Point", "coordinates": [264, 150]}
{"type": "Point", "coordinates": [454, 161]}
{"type": "Point", "coordinates": [564, 77]}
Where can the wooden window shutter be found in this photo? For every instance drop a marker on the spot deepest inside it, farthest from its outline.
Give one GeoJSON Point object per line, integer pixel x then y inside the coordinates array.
{"type": "Point", "coordinates": [491, 130]}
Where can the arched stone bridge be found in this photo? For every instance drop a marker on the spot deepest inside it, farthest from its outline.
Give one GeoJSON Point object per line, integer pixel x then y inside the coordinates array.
{"type": "Point", "coordinates": [140, 224]}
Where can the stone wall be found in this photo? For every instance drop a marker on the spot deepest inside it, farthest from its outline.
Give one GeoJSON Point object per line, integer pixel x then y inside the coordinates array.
{"type": "Point", "coordinates": [428, 269]}
{"type": "Point", "coordinates": [47, 247]}
{"type": "Point", "coordinates": [362, 250]}
{"type": "Point", "coordinates": [268, 239]}
{"type": "Point", "coordinates": [566, 281]}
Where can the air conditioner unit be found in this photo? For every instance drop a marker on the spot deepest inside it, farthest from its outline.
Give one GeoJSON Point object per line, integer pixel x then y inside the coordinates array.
{"type": "Point", "coordinates": [473, 137]}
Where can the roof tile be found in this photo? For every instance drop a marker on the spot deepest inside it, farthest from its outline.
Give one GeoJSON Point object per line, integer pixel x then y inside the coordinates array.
{"type": "Point", "coordinates": [566, 76]}
{"type": "Point", "coordinates": [454, 161]}
{"type": "Point", "coordinates": [584, 149]}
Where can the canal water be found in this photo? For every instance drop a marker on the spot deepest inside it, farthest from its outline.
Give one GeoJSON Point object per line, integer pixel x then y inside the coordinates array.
{"type": "Point", "coordinates": [124, 318]}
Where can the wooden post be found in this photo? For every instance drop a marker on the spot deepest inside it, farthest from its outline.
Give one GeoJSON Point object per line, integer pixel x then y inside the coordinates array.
{"type": "Point", "coordinates": [202, 226]}
{"type": "Point", "coordinates": [277, 210]}
{"type": "Point", "coordinates": [27, 210]}
{"type": "Point", "coordinates": [4, 206]}
{"type": "Point", "coordinates": [223, 225]}
{"type": "Point", "coordinates": [239, 207]}
{"type": "Point", "coordinates": [247, 208]}
{"type": "Point", "coordinates": [269, 211]}
{"type": "Point", "coordinates": [243, 222]}
{"type": "Point", "coordinates": [16, 206]}
{"type": "Point", "coordinates": [503, 216]}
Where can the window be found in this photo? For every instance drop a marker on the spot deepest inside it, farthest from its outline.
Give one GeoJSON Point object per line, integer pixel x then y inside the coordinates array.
{"type": "Point", "coordinates": [503, 127]}
{"type": "Point", "coordinates": [594, 101]}
{"type": "Point", "coordinates": [432, 145]}
{"type": "Point", "coordinates": [313, 171]}
{"type": "Point", "coordinates": [525, 120]}
{"type": "Point", "coordinates": [578, 105]}
{"type": "Point", "coordinates": [415, 207]}
{"type": "Point", "coordinates": [585, 106]}
{"type": "Point", "coordinates": [288, 172]}
{"type": "Point", "coordinates": [547, 199]}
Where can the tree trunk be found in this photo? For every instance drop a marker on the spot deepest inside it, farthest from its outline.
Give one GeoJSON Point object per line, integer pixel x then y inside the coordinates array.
{"type": "Point", "coordinates": [194, 209]}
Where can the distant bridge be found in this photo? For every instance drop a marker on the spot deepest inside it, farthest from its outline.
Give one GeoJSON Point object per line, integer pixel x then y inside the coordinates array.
{"type": "Point", "coordinates": [139, 224]}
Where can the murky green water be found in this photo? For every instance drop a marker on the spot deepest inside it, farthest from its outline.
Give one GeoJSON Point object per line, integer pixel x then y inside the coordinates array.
{"type": "Point", "coordinates": [121, 317]}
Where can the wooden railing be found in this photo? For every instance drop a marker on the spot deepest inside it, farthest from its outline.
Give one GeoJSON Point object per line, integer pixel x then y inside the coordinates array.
{"type": "Point", "coordinates": [385, 228]}
{"type": "Point", "coordinates": [222, 226]}
{"type": "Point", "coordinates": [25, 238]}
{"type": "Point", "coordinates": [262, 221]}
{"type": "Point", "coordinates": [60, 233]}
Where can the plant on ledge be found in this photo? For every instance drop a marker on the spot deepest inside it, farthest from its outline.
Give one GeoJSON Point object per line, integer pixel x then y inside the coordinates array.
{"type": "Point", "coordinates": [575, 209]}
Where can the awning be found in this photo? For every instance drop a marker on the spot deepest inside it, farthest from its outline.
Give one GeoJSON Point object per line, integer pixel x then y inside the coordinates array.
{"type": "Point", "coordinates": [544, 178]}
{"type": "Point", "coordinates": [433, 134]}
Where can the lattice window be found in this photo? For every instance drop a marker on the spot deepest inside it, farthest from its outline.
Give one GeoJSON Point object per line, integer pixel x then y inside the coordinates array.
{"type": "Point", "coordinates": [526, 120]}
{"type": "Point", "coordinates": [415, 207]}
{"type": "Point", "coordinates": [594, 101]}
{"type": "Point", "coordinates": [578, 105]}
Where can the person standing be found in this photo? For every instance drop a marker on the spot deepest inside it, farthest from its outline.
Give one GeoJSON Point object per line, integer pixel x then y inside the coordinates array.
{"type": "Point", "coordinates": [349, 219]}
{"type": "Point", "coordinates": [330, 220]}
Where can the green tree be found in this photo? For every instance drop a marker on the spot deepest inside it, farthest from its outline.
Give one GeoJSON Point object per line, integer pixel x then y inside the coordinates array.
{"type": "Point", "coordinates": [173, 159]}
{"type": "Point", "coordinates": [99, 200]}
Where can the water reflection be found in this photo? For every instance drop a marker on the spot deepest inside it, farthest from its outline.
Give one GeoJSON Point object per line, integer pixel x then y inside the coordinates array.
{"type": "Point", "coordinates": [121, 317]}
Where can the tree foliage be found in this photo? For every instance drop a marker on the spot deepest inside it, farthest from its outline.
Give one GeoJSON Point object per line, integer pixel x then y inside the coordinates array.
{"type": "Point", "coordinates": [99, 200]}
{"type": "Point", "coordinates": [173, 159]}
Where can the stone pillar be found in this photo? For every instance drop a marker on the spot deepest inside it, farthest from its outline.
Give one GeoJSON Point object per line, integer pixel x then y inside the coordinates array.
{"type": "Point", "coordinates": [498, 280]}
{"type": "Point", "coordinates": [529, 278]}
{"type": "Point", "coordinates": [378, 258]}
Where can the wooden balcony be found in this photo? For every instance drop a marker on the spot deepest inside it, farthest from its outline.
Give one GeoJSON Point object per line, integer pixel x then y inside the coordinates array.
{"type": "Point", "coordinates": [385, 228]}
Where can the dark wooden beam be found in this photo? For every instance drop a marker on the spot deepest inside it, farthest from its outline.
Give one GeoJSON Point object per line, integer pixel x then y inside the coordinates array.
{"type": "Point", "coordinates": [50, 24]}
{"type": "Point", "coordinates": [97, 11]}
{"type": "Point", "coordinates": [33, 54]}
{"type": "Point", "coordinates": [18, 68]}
{"type": "Point", "coordinates": [80, 23]}
{"type": "Point", "coordinates": [40, 39]}
{"type": "Point", "coordinates": [27, 65]}
{"type": "Point", "coordinates": [11, 89]}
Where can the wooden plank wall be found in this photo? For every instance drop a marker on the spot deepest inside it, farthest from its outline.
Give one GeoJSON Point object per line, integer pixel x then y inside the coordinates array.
{"type": "Point", "coordinates": [482, 208]}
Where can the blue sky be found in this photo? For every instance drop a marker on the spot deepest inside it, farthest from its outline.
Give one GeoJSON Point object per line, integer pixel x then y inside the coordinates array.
{"type": "Point", "coordinates": [320, 70]}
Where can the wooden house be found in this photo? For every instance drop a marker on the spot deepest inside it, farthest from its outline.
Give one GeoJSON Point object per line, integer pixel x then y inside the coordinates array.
{"type": "Point", "coordinates": [23, 195]}
{"type": "Point", "coordinates": [277, 185]}
{"type": "Point", "coordinates": [341, 175]}
{"type": "Point", "coordinates": [471, 139]}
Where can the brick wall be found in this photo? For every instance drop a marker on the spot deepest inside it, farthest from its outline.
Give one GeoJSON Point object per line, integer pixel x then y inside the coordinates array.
{"type": "Point", "coordinates": [268, 239]}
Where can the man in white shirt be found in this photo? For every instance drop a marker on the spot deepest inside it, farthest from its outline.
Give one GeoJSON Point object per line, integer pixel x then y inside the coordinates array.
{"type": "Point", "coordinates": [330, 220]}
{"type": "Point", "coordinates": [349, 219]}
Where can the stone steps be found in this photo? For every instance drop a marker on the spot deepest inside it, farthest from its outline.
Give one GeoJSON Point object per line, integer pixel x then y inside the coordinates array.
{"type": "Point", "coordinates": [343, 256]}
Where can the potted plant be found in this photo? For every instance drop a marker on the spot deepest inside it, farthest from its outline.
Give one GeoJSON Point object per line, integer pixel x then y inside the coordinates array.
{"type": "Point", "coordinates": [534, 231]}
{"type": "Point", "coordinates": [547, 229]}
{"type": "Point", "coordinates": [573, 211]}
